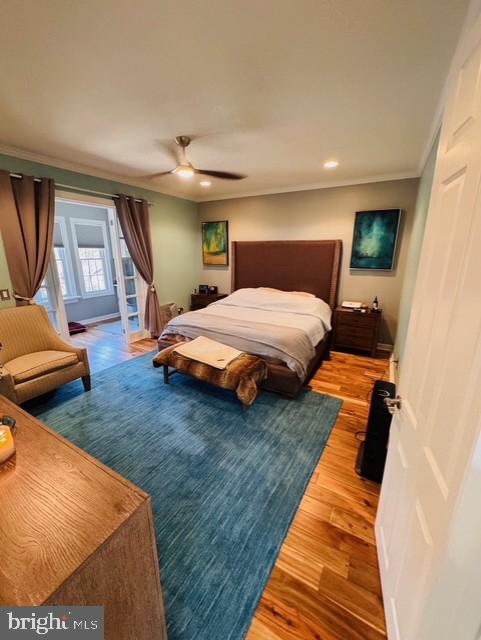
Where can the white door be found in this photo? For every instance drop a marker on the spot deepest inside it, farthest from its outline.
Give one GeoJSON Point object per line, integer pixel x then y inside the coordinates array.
{"type": "Point", "coordinates": [130, 287]}
{"type": "Point", "coordinates": [431, 466]}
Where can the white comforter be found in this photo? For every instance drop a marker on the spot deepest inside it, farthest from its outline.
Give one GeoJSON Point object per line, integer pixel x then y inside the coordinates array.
{"type": "Point", "coordinates": [297, 310]}
{"type": "Point", "coordinates": [266, 322]}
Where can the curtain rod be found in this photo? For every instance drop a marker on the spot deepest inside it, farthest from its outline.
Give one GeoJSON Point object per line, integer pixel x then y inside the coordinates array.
{"type": "Point", "coordinates": [69, 186]}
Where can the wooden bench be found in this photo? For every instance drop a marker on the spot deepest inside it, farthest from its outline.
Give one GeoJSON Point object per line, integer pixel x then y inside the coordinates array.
{"type": "Point", "coordinates": [243, 375]}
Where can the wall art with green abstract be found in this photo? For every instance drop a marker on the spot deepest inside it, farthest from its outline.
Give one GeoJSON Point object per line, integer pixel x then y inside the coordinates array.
{"type": "Point", "coordinates": [375, 239]}
{"type": "Point", "coordinates": [215, 243]}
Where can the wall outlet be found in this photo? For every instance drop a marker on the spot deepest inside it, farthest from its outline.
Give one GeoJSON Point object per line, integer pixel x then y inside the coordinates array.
{"type": "Point", "coordinates": [4, 294]}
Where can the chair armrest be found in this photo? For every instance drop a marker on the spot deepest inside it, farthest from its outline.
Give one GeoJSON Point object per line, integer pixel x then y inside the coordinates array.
{"type": "Point", "coordinates": [81, 352]}
{"type": "Point", "coordinates": [59, 344]}
{"type": "Point", "coordinates": [7, 386]}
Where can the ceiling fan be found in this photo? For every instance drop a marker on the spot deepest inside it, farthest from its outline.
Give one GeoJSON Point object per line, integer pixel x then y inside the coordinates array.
{"type": "Point", "coordinates": [186, 169]}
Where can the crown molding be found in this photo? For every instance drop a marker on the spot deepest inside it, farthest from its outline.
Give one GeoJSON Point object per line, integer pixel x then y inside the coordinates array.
{"type": "Point", "coordinates": [348, 182]}
{"type": "Point", "coordinates": [86, 170]}
{"type": "Point", "coordinates": [94, 173]}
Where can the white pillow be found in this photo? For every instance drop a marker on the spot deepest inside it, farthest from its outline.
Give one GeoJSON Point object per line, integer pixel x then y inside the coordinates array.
{"type": "Point", "coordinates": [280, 301]}
{"type": "Point", "coordinates": [294, 293]}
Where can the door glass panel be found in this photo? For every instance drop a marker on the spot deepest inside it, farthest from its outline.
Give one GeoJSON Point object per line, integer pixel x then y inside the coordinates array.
{"type": "Point", "coordinates": [132, 305]}
{"type": "Point", "coordinates": [128, 267]}
{"type": "Point", "coordinates": [130, 288]}
{"type": "Point", "coordinates": [41, 297]}
{"type": "Point", "coordinates": [47, 297]}
{"type": "Point", "coordinates": [134, 323]}
{"type": "Point", "coordinates": [127, 262]}
{"type": "Point", "coordinates": [130, 285]}
{"type": "Point", "coordinates": [44, 297]}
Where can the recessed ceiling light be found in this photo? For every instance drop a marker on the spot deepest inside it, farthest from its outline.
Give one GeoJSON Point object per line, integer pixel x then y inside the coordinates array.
{"type": "Point", "coordinates": [331, 164]}
{"type": "Point", "coordinates": [205, 183]}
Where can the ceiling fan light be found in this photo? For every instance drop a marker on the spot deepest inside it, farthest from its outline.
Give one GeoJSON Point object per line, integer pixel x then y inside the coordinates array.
{"type": "Point", "coordinates": [331, 164]}
{"type": "Point", "coordinates": [184, 171]}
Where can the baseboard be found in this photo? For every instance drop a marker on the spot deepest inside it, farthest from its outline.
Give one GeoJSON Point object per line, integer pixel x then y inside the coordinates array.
{"type": "Point", "coordinates": [393, 364]}
{"type": "Point", "coordinates": [109, 316]}
{"type": "Point", "coordinates": [384, 346]}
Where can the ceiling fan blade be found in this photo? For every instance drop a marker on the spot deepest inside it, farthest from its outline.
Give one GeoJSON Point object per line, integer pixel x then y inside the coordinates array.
{"type": "Point", "coordinates": [224, 175]}
{"type": "Point", "coordinates": [169, 149]}
{"type": "Point", "coordinates": [159, 175]}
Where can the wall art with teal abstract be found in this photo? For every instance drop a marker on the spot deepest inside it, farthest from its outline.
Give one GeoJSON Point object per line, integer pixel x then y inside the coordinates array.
{"type": "Point", "coordinates": [375, 239]}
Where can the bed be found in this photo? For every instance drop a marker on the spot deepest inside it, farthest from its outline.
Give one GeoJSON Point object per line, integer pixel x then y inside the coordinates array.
{"type": "Point", "coordinates": [290, 332]}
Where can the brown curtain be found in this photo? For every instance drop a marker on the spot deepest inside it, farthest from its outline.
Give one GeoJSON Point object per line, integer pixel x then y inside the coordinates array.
{"type": "Point", "coordinates": [134, 221]}
{"type": "Point", "coordinates": [27, 211]}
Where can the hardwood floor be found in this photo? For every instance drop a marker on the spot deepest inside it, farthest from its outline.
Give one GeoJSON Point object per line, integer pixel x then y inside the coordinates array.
{"type": "Point", "coordinates": [325, 583]}
{"type": "Point", "coordinates": [107, 347]}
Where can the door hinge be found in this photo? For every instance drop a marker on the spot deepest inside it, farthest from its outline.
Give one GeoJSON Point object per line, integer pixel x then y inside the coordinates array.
{"type": "Point", "coordinates": [393, 404]}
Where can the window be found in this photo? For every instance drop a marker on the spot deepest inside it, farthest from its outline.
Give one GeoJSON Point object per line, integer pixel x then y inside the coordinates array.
{"type": "Point", "coordinates": [62, 259]}
{"type": "Point", "coordinates": [92, 268]}
{"type": "Point", "coordinates": [64, 272]}
{"type": "Point", "coordinates": [41, 297]}
{"type": "Point", "coordinates": [60, 254]}
{"type": "Point", "coordinates": [93, 258]}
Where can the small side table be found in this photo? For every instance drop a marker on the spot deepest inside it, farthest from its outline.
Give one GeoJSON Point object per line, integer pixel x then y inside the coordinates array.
{"type": "Point", "coordinates": [201, 300]}
{"type": "Point", "coordinates": [356, 330]}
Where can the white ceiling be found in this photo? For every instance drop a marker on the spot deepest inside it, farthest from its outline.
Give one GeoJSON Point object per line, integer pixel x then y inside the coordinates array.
{"type": "Point", "coordinates": [270, 88]}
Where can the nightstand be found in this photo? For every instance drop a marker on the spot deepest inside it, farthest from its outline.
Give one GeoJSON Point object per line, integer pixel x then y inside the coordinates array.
{"type": "Point", "coordinates": [356, 330]}
{"type": "Point", "coordinates": [201, 300]}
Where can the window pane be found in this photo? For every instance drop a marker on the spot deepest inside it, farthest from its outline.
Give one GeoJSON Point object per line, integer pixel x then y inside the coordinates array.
{"type": "Point", "coordinates": [124, 252]}
{"type": "Point", "coordinates": [128, 267]}
{"type": "Point", "coordinates": [130, 287]}
{"type": "Point", "coordinates": [92, 261]}
{"type": "Point", "coordinates": [41, 297]}
{"type": "Point", "coordinates": [134, 323]}
{"type": "Point", "coordinates": [132, 305]}
{"type": "Point", "coordinates": [60, 258]}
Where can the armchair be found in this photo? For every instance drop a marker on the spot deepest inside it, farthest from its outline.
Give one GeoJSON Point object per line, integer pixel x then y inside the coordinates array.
{"type": "Point", "coordinates": [34, 359]}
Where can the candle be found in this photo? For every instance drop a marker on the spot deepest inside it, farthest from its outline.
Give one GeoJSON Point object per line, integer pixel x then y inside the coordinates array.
{"type": "Point", "coordinates": [7, 445]}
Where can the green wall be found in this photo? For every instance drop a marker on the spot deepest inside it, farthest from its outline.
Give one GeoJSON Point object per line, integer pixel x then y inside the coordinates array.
{"type": "Point", "coordinates": [414, 253]}
{"type": "Point", "coordinates": [174, 223]}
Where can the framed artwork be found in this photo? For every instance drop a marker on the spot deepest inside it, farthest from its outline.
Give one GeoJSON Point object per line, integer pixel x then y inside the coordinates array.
{"type": "Point", "coordinates": [375, 239]}
{"type": "Point", "coordinates": [215, 242]}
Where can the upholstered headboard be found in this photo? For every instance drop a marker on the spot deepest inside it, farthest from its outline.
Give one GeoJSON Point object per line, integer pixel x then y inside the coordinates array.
{"type": "Point", "coordinates": [290, 265]}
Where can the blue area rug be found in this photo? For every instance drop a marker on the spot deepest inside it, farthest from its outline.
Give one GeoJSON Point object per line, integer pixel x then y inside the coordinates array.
{"type": "Point", "coordinates": [225, 481]}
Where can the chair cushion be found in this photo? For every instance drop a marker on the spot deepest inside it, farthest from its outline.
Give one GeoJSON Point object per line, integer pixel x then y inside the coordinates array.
{"type": "Point", "coordinates": [39, 363]}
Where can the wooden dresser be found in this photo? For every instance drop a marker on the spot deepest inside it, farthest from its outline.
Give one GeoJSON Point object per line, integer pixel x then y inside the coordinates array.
{"type": "Point", "coordinates": [355, 330]}
{"type": "Point", "coordinates": [201, 300]}
{"type": "Point", "coordinates": [73, 532]}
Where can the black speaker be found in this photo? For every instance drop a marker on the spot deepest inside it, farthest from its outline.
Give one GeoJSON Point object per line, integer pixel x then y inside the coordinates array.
{"type": "Point", "coordinates": [372, 452]}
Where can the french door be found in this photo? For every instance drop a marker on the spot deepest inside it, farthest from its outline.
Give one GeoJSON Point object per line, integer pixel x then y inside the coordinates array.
{"type": "Point", "coordinates": [428, 527]}
{"type": "Point", "coordinates": [50, 296]}
{"type": "Point", "coordinates": [130, 287]}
